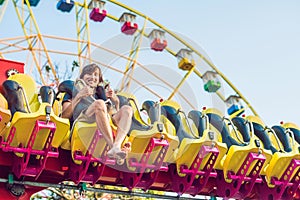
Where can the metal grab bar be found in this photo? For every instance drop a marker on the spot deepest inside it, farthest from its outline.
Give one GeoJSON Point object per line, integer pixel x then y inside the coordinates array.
{"type": "Point", "coordinates": [138, 111]}
{"type": "Point", "coordinates": [276, 138]}
{"type": "Point", "coordinates": [235, 131]}
{"type": "Point", "coordinates": [187, 121]}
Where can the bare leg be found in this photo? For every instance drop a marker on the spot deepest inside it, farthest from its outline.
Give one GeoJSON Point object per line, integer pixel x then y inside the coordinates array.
{"type": "Point", "coordinates": [99, 109]}
{"type": "Point", "coordinates": [123, 121]}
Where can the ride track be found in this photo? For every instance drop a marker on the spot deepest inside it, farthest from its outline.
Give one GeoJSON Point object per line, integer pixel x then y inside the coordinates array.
{"type": "Point", "coordinates": [211, 153]}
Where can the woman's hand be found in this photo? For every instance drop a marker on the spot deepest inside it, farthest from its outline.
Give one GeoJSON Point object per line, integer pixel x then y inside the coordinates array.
{"type": "Point", "coordinates": [84, 92]}
{"type": "Point", "coordinates": [110, 94]}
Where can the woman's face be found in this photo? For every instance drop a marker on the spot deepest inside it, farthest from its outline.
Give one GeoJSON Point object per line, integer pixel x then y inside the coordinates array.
{"type": "Point", "coordinates": [108, 91]}
{"type": "Point", "coordinates": [92, 79]}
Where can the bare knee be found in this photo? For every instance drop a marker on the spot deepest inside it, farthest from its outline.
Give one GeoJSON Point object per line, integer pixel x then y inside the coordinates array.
{"type": "Point", "coordinates": [100, 106]}
{"type": "Point", "coordinates": [126, 111]}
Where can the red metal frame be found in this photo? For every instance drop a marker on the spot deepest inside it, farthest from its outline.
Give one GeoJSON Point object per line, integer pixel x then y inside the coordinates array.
{"type": "Point", "coordinates": [137, 178]}
{"type": "Point", "coordinates": [21, 166]}
{"type": "Point", "coordinates": [283, 188]}
{"type": "Point", "coordinates": [85, 171]}
{"type": "Point", "coordinates": [234, 189]}
{"type": "Point", "coordinates": [195, 186]}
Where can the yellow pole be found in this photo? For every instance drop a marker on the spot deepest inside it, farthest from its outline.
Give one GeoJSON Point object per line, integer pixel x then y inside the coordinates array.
{"type": "Point", "coordinates": [78, 36]}
{"type": "Point", "coordinates": [88, 42]}
{"type": "Point", "coordinates": [132, 61]}
{"type": "Point", "coordinates": [83, 32]}
{"type": "Point", "coordinates": [42, 42]}
{"type": "Point", "coordinates": [180, 84]}
{"type": "Point", "coordinates": [29, 42]}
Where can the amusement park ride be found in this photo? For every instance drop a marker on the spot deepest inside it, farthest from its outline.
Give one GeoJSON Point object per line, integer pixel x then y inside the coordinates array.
{"type": "Point", "coordinates": [204, 152]}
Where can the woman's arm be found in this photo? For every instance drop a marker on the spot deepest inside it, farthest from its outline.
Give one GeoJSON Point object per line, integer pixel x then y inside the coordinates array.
{"type": "Point", "coordinates": [116, 102]}
{"type": "Point", "coordinates": [67, 107]}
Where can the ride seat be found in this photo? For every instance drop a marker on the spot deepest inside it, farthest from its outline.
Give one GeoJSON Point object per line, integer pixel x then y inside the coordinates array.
{"type": "Point", "coordinates": [242, 128]}
{"type": "Point", "coordinates": [217, 121]}
{"type": "Point", "coordinates": [30, 90]}
{"type": "Point", "coordinates": [22, 119]}
{"type": "Point", "coordinates": [5, 114]}
{"type": "Point", "coordinates": [283, 138]}
{"type": "Point", "coordinates": [170, 110]}
{"type": "Point", "coordinates": [199, 121]}
{"type": "Point", "coordinates": [295, 129]}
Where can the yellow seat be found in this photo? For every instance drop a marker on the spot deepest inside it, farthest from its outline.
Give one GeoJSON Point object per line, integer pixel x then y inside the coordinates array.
{"type": "Point", "coordinates": [30, 89]}
{"type": "Point", "coordinates": [132, 100]}
{"type": "Point", "coordinates": [82, 136]}
{"type": "Point", "coordinates": [219, 144]}
{"type": "Point", "coordinates": [281, 161]}
{"type": "Point", "coordinates": [140, 139]}
{"type": "Point", "coordinates": [4, 114]}
{"type": "Point", "coordinates": [167, 123]}
{"type": "Point", "coordinates": [294, 129]}
{"type": "Point", "coordinates": [190, 146]}
{"type": "Point", "coordinates": [24, 123]}
{"type": "Point", "coordinates": [142, 134]}
{"type": "Point", "coordinates": [237, 154]}
{"type": "Point", "coordinates": [189, 149]}
{"type": "Point", "coordinates": [267, 153]}
{"type": "Point", "coordinates": [291, 125]}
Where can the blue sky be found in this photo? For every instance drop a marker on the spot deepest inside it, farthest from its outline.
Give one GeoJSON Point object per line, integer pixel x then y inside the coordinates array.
{"type": "Point", "coordinates": [254, 43]}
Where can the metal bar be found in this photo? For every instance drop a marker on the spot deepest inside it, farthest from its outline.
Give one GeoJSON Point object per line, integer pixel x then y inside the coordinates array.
{"type": "Point", "coordinates": [133, 55]}
{"type": "Point", "coordinates": [83, 33]}
{"type": "Point", "coordinates": [204, 151]}
{"type": "Point", "coordinates": [28, 41]}
{"type": "Point", "coordinates": [39, 35]}
{"type": "Point", "coordinates": [33, 152]}
{"type": "Point", "coordinates": [92, 189]}
{"type": "Point", "coordinates": [180, 84]}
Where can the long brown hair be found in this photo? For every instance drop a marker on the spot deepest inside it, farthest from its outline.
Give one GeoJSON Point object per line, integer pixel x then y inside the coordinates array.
{"type": "Point", "coordinates": [89, 69]}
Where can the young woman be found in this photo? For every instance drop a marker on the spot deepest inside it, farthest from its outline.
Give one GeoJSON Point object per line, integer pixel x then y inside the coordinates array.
{"type": "Point", "coordinates": [88, 105]}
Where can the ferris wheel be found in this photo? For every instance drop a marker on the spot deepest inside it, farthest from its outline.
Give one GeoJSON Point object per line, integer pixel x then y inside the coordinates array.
{"type": "Point", "coordinates": [148, 59]}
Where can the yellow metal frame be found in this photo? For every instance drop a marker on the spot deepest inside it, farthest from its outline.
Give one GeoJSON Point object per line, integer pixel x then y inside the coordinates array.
{"type": "Point", "coordinates": [83, 32]}
{"type": "Point", "coordinates": [2, 10]}
{"type": "Point", "coordinates": [35, 28]}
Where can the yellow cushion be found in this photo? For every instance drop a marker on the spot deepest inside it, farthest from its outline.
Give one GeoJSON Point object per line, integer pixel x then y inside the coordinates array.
{"type": "Point", "coordinates": [28, 83]}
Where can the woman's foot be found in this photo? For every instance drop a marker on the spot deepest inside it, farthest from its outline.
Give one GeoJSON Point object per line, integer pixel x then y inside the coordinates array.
{"type": "Point", "coordinates": [126, 148]}
{"type": "Point", "coordinates": [116, 152]}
